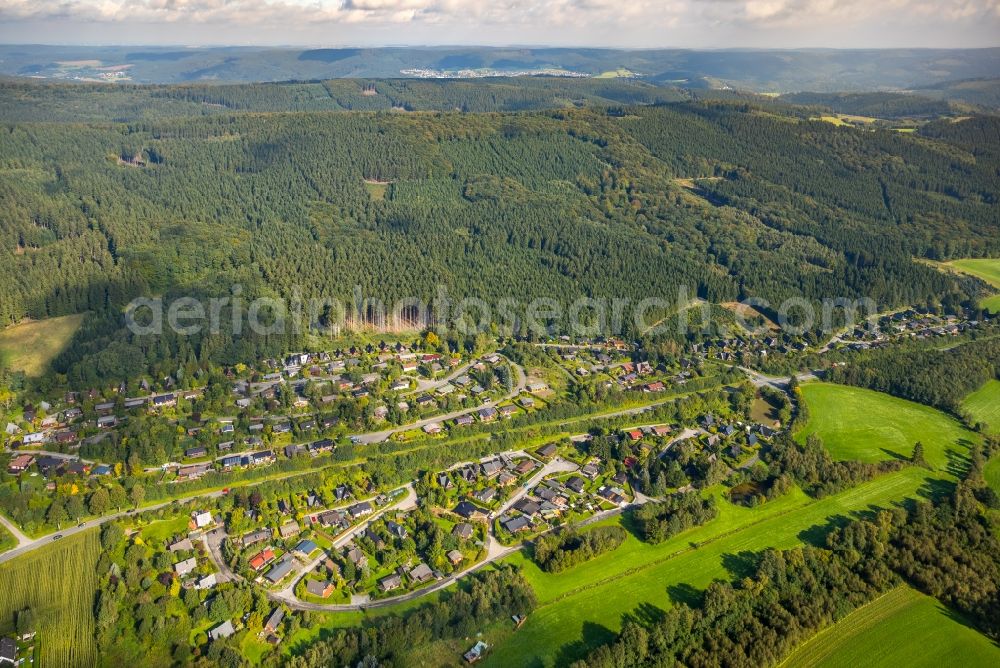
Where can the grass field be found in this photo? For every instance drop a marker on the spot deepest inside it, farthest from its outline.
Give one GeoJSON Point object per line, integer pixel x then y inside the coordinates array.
{"type": "Point", "coordinates": [59, 584]}
{"type": "Point", "coordinates": [863, 425]}
{"type": "Point", "coordinates": [30, 346]}
{"type": "Point", "coordinates": [584, 606]}
{"type": "Point", "coordinates": [926, 634]}
{"type": "Point", "coordinates": [983, 405]}
{"type": "Point", "coordinates": [992, 473]}
{"type": "Point", "coordinates": [987, 269]}
{"type": "Point", "coordinates": [376, 189]}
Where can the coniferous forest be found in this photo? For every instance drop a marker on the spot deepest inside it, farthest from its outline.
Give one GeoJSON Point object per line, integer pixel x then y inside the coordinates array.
{"type": "Point", "coordinates": [730, 198]}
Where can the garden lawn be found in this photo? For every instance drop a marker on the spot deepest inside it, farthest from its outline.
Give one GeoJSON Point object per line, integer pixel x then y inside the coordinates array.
{"type": "Point", "coordinates": [864, 425]}
{"type": "Point", "coordinates": [983, 405]}
{"type": "Point", "coordinates": [901, 628]}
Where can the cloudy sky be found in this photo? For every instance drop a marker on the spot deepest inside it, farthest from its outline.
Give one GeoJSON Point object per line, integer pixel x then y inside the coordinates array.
{"type": "Point", "coordinates": [626, 23]}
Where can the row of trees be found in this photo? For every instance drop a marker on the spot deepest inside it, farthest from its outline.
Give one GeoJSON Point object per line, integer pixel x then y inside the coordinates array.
{"type": "Point", "coordinates": [919, 375]}
{"type": "Point", "coordinates": [658, 521]}
{"type": "Point", "coordinates": [947, 549]}
{"type": "Point", "coordinates": [558, 551]}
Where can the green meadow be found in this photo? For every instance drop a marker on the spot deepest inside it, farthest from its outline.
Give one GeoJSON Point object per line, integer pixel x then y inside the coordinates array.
{"type": "Point", "coordinates": [987, 269]}
{"type": "Point", "coordinates": [31, 345]}
{"type": "Point", "coordinates": [863, 425]}
{"type": "Point", "coordinates": [583, 607]}
{"type": "Point", "coordinates": [937, 637]}
{"type": "Point", "coordinates": [983, 405]}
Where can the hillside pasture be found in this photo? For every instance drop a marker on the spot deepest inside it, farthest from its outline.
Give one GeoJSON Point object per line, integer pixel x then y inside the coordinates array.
{"type": "Point", "coordinates": [901, 628]}
{"type": "Point", "coordinates": [30, 346]}
{"type": "Point", "coordinates": [988, 269]}
{"type": "Point", "coordinates": [59, 584]}
{"type": "Point", "coordinates": [584, 606]}
{"type": "Point", "coordinates": [983, 406]}
{"type": "Point", "coordinates": [864, 425]}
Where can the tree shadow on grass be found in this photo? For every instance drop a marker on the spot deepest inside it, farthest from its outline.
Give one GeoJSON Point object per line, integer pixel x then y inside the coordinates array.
{"type": "Point", "coordinates": [817, 533]}
{"type": "Point", "coordinates": [628, 522]}
{"type": "Point", "coordinates": [935, 489]}
{"type": "Point", "coordinates": [741, 565]}
{"type": "Point", "coordinates": [895, 455]}
{"type": "Point", "coordinates": [593, 635]}
{"type": "Point", "coordinates": [646, 614]}
{"type": "Point", "coordinates": [685, 593]}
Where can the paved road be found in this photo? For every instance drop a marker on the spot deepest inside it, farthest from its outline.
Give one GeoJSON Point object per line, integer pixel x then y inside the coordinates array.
{"type": "Point", "coordinates": [494, 551]}
{"type": "Point", "coordinates": [11, 527]}
{"type": "Point", "coordinates": [94, 523]}
{"type": "Point", "coordinates": [683, 436]}
{"type": "Point", "coordinates": [779, 383]}
{"type": "Point", "coordinates": [407, 502]}
{"type": "Point", "coordinates": [379, 436]}
{"type": "Point", "coordinates": [425, 385]}
{"type": "Point", "coordinates": [557, 465]}
{"type": "Point", "coordinates": [57, 455]}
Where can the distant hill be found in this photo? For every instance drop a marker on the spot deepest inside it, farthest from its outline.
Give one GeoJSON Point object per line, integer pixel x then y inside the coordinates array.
{"type": "Point", "coordinates": [876, 105]}
{"type": "Point", "coordinates": [75, 102]}
{"type": "Point", "coordinates": [773, 71]}
{"type": "Point", "coordinates": [982, 92]}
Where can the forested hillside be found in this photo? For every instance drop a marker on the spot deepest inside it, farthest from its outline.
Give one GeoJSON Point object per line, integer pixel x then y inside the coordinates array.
{"type": "Point", "coordinates": [65, 102]}
{"type": "Point", "coordinates": [729, 199]}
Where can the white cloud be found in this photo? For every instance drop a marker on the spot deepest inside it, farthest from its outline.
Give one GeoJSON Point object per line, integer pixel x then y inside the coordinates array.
{"type": "Point", "coordinates": [622, 22]}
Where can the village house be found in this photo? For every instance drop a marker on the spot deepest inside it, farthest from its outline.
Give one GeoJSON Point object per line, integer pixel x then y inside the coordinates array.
{"type": "Point", "coordinates": [356, 556]}
{"type": "Point", "coordinates": [182, 568]}
{"type": "Point", "coordinates": [469, 511]}
{"type": "Point", "coordinates": [256, 537]}
{"type": "Point", "coordinates": [202, 519]}
{"type": "Point", "coordinates": [274, 621]}
{"type": "Point", "coordinates": [319, 589]}
{"type": "Point", "coordinates": [261, 559]}
{"type": "Point", "coordinates": [282, 568]}
{"type": "Point", "coordinates": [360, 509]}
{"type": "Point", "coordinates": [485, 495]}
{"type": "Point", "coordinates": [421, 573]}
{"type": "Point", "coordinates": [223, 630]}
{"type": "Point", "coordinates": [289, 529]}
{"type": "Point", "coordinates": [455, 557]}
{"type": "Point", "coordinates": [181, 545]}
{"type": "Point", "coordinates": [305, 548]}
{"type": "Point", "coordinates": [547, 450]}
{"type": "Point", "coordinates": [463, 531]}
{"type": "Point", "coordinates": [20, 464]}
{"type": "Point", "coordinates": [517, 524]}
{"type": "Point", "coordinates": [390, 582]}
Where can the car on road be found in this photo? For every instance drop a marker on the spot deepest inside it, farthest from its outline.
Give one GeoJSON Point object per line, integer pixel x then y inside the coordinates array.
{"type": "Point", "coordinates": [57, 536]}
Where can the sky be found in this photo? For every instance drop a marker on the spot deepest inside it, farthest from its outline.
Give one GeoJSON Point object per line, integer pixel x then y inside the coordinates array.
{"type": "Point", "coordinates": [612, 23]}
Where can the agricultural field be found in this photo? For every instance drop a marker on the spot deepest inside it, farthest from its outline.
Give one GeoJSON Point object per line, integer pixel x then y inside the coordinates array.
{"type": "Point", "coordinates": [986, 269]}
{"type": "Point", "coordinates": [939, 637]}
{"type": "Point", "coordinates": [583, 606]}
{"type": "Point", "coordinates": [30, 346]}
{"type": "Point", "coordinates": [983, 405]}
{"type": "Point", "coordinates": [864, 425]}
{"type": "Point", "coordinates": [59, 584]}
